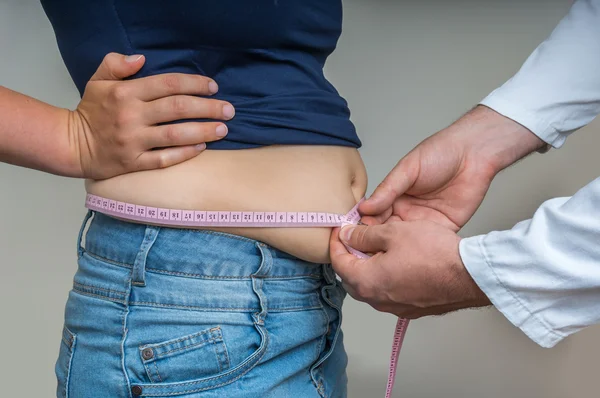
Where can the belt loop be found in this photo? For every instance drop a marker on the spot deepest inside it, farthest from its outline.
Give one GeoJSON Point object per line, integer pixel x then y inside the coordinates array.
{"type": "Point", "coordinates": [258, 281]}
{"type": "Point", "coordinates": [329, 274]}
{"type": "Point", "coordinates": [80, 249]}
{"type": "Point", "coordinates": [138, 273]}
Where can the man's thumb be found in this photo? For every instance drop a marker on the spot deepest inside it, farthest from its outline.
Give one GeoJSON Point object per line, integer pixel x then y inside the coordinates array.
{"type": "Point", "coordinates": [367, 239]}
{"type": "Point", "coordinates": [118, 67]}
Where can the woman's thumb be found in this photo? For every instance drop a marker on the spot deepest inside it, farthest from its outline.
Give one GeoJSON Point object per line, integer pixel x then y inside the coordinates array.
{"type": "Point", "coordinates": [118, 67]}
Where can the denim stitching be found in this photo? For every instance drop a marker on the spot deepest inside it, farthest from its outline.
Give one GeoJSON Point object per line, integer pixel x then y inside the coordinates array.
{"type": "Point", "coordinates": [217, 340]}
{"type": "Point", "coordinates": [189, 307]}
{"type": "Point", "coordinates": [84, 286]}
{"type": "Point", "coordinates": [226, 353]}
{"type": "Point", "coordinates": [83, 293]}
{"type": "Point", "coordinates": [217, 356]}
{"type": "Point", "coordinates": [199, 276]}
{"type": "Point", "coordinates": [207, 388]}
{"type": "Point", "coordinates": [188, 337]}
{"type": "Point", "coordinates": [223, 234]}
{"type": "Point", "coordinates": [149, 372]}
{"type": "Point", "coordinates": [70, 365]}
{"type": "Point", "coordinates": [219, 377]}
{"type": "Point", "coordinates": [286, 309]}
{"type": "Point", "coordinates": [68, 336]}
{"type": "Point", "coordinates": [199, 344]}
{"type": "Point", "coordinates": [107, 260]}
{"type": "Point", "coordinates": [250, 364]}
{"type": "Point", "coordinates": [177, 306]}
{"type": "Point", "coordinates": [68, 343]}
{"type": "Point", "coordinates": [324, 337]}
{"type": "Point", "coordinates": [315, 366]}
{"type": "Point", "coordinates": [294, 277]}
{"type": "Point", "coordinates": [157, 372]}
{"type": "Point", "coordinates": [125, 317]}
{"type": "Point", "coordinates": [248, 277]}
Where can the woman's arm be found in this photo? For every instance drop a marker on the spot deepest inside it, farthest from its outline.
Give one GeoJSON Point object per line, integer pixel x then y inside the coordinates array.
{"type": "Point", "coordinates": [115, 128]}
{"type": "Point", "coordinates": [34, 134]}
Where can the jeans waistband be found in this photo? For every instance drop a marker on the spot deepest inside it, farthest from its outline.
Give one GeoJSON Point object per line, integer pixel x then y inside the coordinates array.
{"type": "Point", "coordinates": [190, 252]}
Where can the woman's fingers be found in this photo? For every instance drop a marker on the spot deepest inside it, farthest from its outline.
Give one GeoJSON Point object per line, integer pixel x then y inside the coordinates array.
{"type": "Point", "coordinates": [178, 107]}
{"type": "Point", "coordinates": [182, 134]}
{"type": "Point", "coordinates": [163, 158]}
{"type": "Point", "coordinates": [118, 66]}
{"type": "Point", "coordinates": [160, 86]}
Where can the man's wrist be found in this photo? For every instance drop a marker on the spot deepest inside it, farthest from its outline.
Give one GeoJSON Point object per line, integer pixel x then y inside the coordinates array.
{"type": "Point", "coordinates": [471, 295]}
{"type": "Point", "coordinates": [494, 139]}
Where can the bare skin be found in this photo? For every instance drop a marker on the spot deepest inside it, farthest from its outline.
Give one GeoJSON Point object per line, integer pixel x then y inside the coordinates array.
{"type": "Point", "coordinates": [275, 178]}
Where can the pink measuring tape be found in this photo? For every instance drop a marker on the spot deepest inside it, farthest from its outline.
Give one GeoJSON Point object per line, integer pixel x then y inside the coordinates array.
{"type": "Point", "coordinates": [192, 218]}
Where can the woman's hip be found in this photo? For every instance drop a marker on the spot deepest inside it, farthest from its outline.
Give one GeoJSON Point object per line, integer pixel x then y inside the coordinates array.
{"type": "Point", "coordinates": [167, 312]}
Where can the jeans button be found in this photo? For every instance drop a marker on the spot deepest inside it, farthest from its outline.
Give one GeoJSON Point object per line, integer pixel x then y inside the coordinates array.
{"type": "Point", "coordinates": [147, 353]}
{"type": "Point", "coordinates": [136, 390]}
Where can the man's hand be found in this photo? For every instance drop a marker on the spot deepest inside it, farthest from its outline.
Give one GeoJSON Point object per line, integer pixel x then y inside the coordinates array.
{"type": "Point", "coordinates": [118, 126]}
{"type": "Point", "coordinates": [422, 203]}
{"type": "Point", "coordinates": [416, 271]}
{"type": "Point", "coordinates": [445, 178]}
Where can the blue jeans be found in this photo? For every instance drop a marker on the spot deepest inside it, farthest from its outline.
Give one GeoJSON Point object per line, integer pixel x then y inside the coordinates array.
{"type": "Point", "coordinates": [165, 312]}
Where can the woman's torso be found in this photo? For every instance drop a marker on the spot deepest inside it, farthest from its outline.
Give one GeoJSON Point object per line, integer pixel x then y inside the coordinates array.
{"type": "Point", "coordinates": [267, 57]}
{"type": "Point", "coordinates": [274, 178]}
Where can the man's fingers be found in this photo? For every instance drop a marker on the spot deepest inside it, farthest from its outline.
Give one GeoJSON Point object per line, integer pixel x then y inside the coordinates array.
{"type": "Point", "coordinates": [379, 218]}
{"type": "Point", "coordinates": [367, 239]}
{"type": "Point", "coordinates": [118, 67]}
{"type": "Point", "coordinates": [168, 84]}
{"type": "Point", "coordinates": [345, 264]}
{"type": "Point", "coordinates": [411, 209]}
{"type": "Point", "coordinates": [395, 184]}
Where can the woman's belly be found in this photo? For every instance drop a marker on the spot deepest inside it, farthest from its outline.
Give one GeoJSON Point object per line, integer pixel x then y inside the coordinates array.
{"type": "Point", "coordinates": [274, 178]}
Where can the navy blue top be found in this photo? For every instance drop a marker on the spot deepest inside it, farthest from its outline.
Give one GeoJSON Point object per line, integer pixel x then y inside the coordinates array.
{"type": "Point", "coordinates": [266, 55]}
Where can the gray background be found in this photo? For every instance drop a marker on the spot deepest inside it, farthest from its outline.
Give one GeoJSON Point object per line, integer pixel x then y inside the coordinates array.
{"type": "Point", "coordinates": [407, 69]}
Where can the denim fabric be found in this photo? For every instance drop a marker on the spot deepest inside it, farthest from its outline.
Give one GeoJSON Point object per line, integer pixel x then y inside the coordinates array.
{"type": "Point", "coordinates": [164, 312]}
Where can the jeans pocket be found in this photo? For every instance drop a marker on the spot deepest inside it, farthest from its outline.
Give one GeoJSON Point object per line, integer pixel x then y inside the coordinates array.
{"type": "Point", "coordinates": [186, 358]}
{"type": "Point", "coordinates": [63, 363]}
{"type": "Point", "coordinates": [219, 354]}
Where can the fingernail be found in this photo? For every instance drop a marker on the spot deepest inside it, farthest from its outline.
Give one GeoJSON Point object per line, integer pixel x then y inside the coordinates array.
{"type": "Point", "coordinates": [346, 233]}
{"type": "Point", "coordinates": [213, 87]}
{"type": "Point", "coordinates": [132, 58]}
{"type": "Point", "coordinates": [221, 130]}
{"type": "Point", "coordinates": [201, 147]}
{"type": "Point", "coordinates": [228, 111]}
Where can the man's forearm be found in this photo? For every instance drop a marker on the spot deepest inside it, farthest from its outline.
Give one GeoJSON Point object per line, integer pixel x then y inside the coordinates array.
{"type": "Point", "coordinates": [557, 90]}
{"type": "Point", "coordinates": [494, 139]}
{"type": "Point", "coordinates": [34, 134]}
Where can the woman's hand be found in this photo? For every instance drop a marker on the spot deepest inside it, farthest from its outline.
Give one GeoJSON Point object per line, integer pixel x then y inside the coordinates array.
{"type": "Point", "coordinates": [117, 127]}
